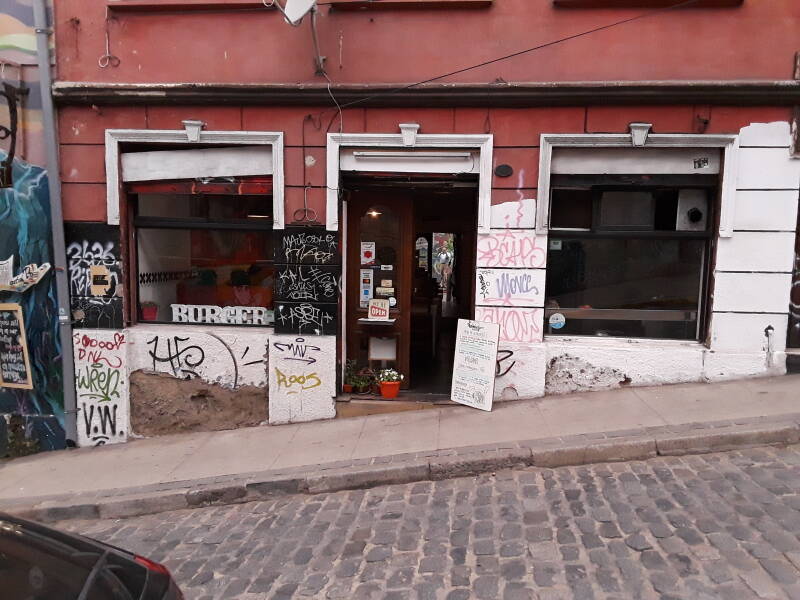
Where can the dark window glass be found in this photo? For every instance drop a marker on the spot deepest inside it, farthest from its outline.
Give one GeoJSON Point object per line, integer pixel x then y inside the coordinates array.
{"type": "Point", "coordinates": [625, 287]}
{"type": "Point", "coordinates": [635, 267]}
{"type": "Point", "coordinates": [206, 208]}
{"type": "Point", "coordinates": [571, 209]}
{"type": "Point", "coordinates": [205, 259]}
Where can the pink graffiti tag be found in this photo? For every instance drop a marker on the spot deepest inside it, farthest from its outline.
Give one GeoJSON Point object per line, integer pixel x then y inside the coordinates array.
{"type": "Point", "coordinates": [516, 324]}
{"type": "Point", "coordinates": [91, 350]}
{"type": "Point", "coordinates": [510, 249]}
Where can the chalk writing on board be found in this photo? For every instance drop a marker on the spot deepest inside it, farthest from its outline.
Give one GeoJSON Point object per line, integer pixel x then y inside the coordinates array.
{"type": "Point", "coordinates": [309, 246]}
{"type": "Point", "coordinates": [305, 318]}
{"type": "Point", "coordinates": [15, 369]}
{"type": "Point", "coordinates": [307, 283]}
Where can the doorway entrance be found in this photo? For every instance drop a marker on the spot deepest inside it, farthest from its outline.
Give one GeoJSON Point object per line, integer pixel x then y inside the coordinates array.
{"type": "Point", "coordinates": [411, 240]}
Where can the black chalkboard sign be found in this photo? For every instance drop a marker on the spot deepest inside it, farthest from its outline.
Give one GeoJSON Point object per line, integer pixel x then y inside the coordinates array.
{"type": "Point", "coordinates": [307, 283]}
{"type": "Point", "coordinates": [307, 246]}
{"type": "Point", "coordinates": [305, 318]}
{"type": "Point", "coordinates": [15, 367]}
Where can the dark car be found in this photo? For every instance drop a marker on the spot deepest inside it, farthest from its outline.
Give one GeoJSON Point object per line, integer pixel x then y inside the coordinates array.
{"type": "Point", "coordinates": [41, 563]}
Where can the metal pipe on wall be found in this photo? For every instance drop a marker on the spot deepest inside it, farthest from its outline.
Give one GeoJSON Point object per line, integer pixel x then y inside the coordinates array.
{"type": "Point", "coordinates": [43, 33]}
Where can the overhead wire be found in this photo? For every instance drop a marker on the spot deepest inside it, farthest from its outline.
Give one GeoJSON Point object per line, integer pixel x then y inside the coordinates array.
{"type": "Point", "coordinates": [517, 53]}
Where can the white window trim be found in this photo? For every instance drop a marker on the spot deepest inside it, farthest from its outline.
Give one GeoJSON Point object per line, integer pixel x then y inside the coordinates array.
{"type": "Point", "coordinates": [484, 143]}
{"type": "Point", "coordinates": [730, 165]}
{"type": "Point", "coordinates": [114, 137]}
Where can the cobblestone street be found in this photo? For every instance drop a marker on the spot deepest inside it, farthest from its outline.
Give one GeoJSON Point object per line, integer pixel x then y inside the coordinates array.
{"type": "Point", "coordinates": [711, 526]}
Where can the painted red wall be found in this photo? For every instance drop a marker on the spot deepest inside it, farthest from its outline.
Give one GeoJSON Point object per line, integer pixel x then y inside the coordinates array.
{"type": "Point", "coordinates": [754, 41]}
{"type": "Point", "coordinates": [516, 138]}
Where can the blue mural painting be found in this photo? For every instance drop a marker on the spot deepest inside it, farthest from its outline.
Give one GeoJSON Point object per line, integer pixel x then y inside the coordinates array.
{"type": "Point", "coordinates": [25, 235]}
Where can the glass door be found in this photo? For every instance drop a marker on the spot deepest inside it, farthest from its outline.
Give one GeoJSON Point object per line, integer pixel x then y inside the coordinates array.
{"type": "Point", "coordinates": [380, 253]}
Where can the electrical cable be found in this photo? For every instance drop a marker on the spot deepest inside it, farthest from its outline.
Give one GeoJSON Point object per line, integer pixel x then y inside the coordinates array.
{"type": "Point", "coordinates": [518, 53]}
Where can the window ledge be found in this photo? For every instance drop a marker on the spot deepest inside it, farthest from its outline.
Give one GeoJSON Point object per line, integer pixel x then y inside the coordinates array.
{"type": "Point", "coordinates": [621, 342]}
{"type": "Point", "coordinates": [643, 3]}
{"type": "Point", "coordinates": [181, 5]}
{"type": "Point", "coordinates": [406, 4]}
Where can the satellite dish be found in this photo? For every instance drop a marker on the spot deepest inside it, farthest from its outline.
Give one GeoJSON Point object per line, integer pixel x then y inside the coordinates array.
{"type": "Point", "coordinates": [295, 10]}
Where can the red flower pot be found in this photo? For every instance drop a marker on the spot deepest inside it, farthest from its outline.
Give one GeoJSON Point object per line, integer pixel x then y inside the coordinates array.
{"type": "Point", "coordinates": [149, 313]}
{"type": "Point", "coordinates": [390, 389]}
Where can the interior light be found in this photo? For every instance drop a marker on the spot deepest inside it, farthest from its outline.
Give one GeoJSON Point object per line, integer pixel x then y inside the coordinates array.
{"type": "Point", "coordinates": [373, 213]}
{"type": "Point", "coordinates": [259, 216]}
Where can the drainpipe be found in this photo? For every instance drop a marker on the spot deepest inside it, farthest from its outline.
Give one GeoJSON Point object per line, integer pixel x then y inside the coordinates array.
{"type": "Point", "coordinates": [43, 33]}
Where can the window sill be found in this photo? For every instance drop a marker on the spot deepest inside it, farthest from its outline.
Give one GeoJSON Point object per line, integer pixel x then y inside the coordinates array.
{"type": "Point", "coordinates": [643, 3]}
{"type": "Point", "coordinates": [621, 342]}
{"type": "Point", "coordinates": [406, 4]}
{"type": "Point", "coordinates": [181, 5]}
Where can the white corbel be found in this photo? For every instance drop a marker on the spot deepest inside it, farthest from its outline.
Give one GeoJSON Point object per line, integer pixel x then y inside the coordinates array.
{"type": "Point", "coordinates": [409, 131]}
{"type": "Point", "coordinates": [639, 133]}
{"type": "Point", "coordinates": [193, 129]}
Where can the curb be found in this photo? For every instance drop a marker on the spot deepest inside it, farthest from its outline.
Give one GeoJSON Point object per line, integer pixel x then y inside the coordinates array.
{"type": "Point", "coordinates": [408, 468]}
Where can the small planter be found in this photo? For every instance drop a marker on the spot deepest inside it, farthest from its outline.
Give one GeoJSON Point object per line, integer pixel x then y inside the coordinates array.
{"type": "Point", "coordinates": [149, 312]}
{"type": "Point", "coordinates": [390, 389]}
{"type": "Point", "coordinates": [347, 388]}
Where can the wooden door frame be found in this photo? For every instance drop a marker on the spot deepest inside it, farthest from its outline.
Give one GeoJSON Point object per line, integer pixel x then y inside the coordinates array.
{"type": "Point", "coordinates": [402, 275]}
{"type": "Point", "coordinates": [483, 143]}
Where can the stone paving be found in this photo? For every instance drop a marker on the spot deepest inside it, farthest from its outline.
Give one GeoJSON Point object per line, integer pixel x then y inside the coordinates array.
{"type": "Point", "coordinates": [721, 525]}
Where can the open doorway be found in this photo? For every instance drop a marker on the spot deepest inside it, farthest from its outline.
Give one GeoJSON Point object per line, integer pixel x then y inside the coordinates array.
{"type": "Point", "coordinates": [411, 240]}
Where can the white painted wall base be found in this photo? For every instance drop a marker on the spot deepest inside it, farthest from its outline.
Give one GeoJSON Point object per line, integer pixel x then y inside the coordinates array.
{"type": "Point", "coordinates": [608, 363]}
{"type": "Point", "coordinates": [226, 356]}
{"type": "Point", "coordinates": [302, 378]}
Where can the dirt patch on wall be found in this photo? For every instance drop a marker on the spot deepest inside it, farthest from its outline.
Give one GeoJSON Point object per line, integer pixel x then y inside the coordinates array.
{"type": "Point", "coordinates": [162, 404]}
{"type": "Point", "coordinates": [566, 374]}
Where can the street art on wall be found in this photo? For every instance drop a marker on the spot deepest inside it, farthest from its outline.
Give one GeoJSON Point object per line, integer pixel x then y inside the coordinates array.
{"type": "Point", "coordinates": [25, 236]}
{"type": "Point", "coordinates": [307, 285]}
{"type": "Point", "coordinates": [510, 287]}
{"type": "Point", "coordinates": [511, 248]}
{"type": "Point", "coordinates": [516, 324]}
{"type": "Point", "coordinates": [95, 280]}
{"type": "Point", "coordinates": [101, 386]}
{"type": "Point", "coordinates": [230, 357]}
{"type": "Point", "coordinates": [301, 378]}
{"type": "Point", "coordinates": [306, 246]}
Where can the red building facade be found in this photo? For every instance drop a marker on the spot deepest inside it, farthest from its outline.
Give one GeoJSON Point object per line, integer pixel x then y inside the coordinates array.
{"type": "Point", "coordinates": [249, 197]}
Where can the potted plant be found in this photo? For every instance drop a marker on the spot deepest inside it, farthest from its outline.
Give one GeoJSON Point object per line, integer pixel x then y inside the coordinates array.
{"type": "Point", "coordinates": [389, 380]}
{"type": "Point", "coordinates": [149, 310]}
{"type": "Point", "coordinates": [364, 381]}
{"type": "Point", "coordinates": [361, 384]}
{"type": "Point", "coordinates": [349, 376]}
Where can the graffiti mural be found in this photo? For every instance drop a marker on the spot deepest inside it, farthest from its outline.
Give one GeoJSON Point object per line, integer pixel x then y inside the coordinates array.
{"type": "Point", "coordinates": [25, 236]}
{"type": "Point", "coordinates": [516, 324]}
{"type": "Point", "coordinates": [101, 386]}
{"type": "Point", "coordinates": [307, 285]}
{"type": "Point", "coordinates": [301, 378]}
{"type": "Point", "coordinates": [510, 287]}
{"type": "Point", "coordinates": [95, 281]}
{"type": "Point", "coordinates": [229, 357]}
{"type": "Point", "coordinates": [305, 245]}
{"type": "Point", "coordinates": [305, 318]}
{"type": "Point", "coordinates": [511, 248]}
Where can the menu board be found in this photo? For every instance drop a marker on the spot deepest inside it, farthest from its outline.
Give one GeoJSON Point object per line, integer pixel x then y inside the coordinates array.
{"type": "Point", "coordinates": [15, 368]}
{"type": "Point", "coordinates": [474, 364]}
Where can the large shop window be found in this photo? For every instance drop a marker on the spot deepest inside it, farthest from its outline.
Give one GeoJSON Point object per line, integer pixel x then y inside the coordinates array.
{"type": "Point", "coordinates": [628, 256]}
{"type": "Point", "coordinates": [204, 258]}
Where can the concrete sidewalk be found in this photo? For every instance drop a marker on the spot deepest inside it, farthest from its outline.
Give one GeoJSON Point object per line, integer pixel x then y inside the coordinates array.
{"type": "Point", "coordinates": [622, 424]}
